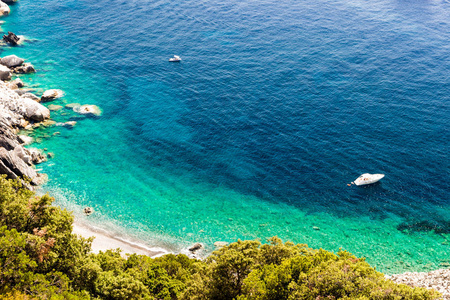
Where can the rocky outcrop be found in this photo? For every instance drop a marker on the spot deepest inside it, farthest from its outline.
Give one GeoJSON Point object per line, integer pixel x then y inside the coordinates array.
{"type": "Point", "coordinates": [11, 61]}
{"type": "Point", "coordinates": [11, 38]}
{"type": "Point", "coordinates": [4, 9]}
{"type": "Point", "coordinates": [9, 1]}
{"type": "Point", "coordinates": [50, 95]}
{"type": "Point", "coordinates": [14, 166]}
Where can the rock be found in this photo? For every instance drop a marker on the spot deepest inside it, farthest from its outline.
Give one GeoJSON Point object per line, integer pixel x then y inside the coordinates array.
{"type": "Point", "coordinates": [9, 1]}
{"type": "Point", "coordinates": [15, 84]}
{"type": "Point", "coordinates": [5, 73]}
{"type": "Point", "coordinates": [88, 110]}
{"type": "Point", "coordinates": [4, 9]}
{"type": "Point", "coordinates": [35, 111]}
{"type": "Point", "coordinates": [11, 61]}
{"type": "Point", "coordinates": [31, 96]}
{"type": "Point", "coordinates": [47, 123]}
{"type": "Point", "coordinates": [69, 124]}
{"type": "Point", "coordinates": [50, 155]}
{"type": "Point", "coordinates": [72, 105]}
{"type": "Point", "coordinates": [26, 68]}
{"type": "Point", "coordinates": [50, 95]}
{"type": "Point", "coordinates": [53, 107]}
{"type": "Point", "coordinates": [220, 244]}
{"type": "Point", "coordinates": [36, 155]}
{"type": "Point", "coordinates": [25, 140]}
{"type": "Point", "coordinates": [88, 210]}
{"type": "Point", "coordinates": [11, 38]}
{"type": "Point", "coordinates": [195, 247]}
{"type": "Point", "coordinates": [316, 228]}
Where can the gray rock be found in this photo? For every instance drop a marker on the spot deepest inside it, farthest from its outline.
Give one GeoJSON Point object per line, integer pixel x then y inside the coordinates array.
{"type": "Point", "coordinates": [11, 61]}
{"type": "Point", "coordinates": [26, 68]}
{"type": "Point", "coordinates": [5, 73]}
{"type": "Point", "coordinates": [35, 111]}
{"type": "Point", "coordinates": [4, 9]}
{"type": "Point", "coordinates": [31, 96]}
{"type": "Point", "coordinates": [195, 247]}
{"type": "Point", "coordinates": [88, 110]}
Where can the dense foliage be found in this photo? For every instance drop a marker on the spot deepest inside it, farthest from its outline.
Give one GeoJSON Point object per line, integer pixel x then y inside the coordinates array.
{"type": "Point", "coordinates": [40, 258]}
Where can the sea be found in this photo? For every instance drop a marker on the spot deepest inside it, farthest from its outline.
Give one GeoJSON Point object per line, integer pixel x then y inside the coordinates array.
{"type": "Point", "coordinates": [275, 108]}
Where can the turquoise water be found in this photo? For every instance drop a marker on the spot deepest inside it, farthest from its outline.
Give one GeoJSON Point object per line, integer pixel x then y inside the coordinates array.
{"type": "Point", "coordinates": [275, 107]}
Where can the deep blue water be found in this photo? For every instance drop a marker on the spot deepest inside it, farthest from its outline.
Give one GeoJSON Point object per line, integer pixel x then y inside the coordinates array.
{"type": "Point", "coordinates": [276, 106]}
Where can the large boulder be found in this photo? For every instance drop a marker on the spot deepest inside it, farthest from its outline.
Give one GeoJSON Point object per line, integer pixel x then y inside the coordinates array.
{"type": "Point", "coordinates": [50, 95]}
{"type": "Point", "coordinates": [35, 111]}
{"type": "Point", "coordinates": [88, 110]}
{"type": "Point", "coordinates": [15, 84]}
{"type": "Point", "coordinates": [4, 9]}
{"type": "Point", "coordinates": [5, 73]}
{"type": "Point", "coordinates": [11, 61]}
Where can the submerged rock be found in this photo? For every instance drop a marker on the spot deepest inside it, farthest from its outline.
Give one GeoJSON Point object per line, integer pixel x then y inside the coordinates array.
{"type": "Point", "coordinates": [89, 110]}
{"type": "Point", "coordinates": [11, 61]}
{"type": "Point", "coordinates": [5, 73]}
{"type": "Point", "coordinates": [50, 95]}
{"type": "Point", "coordinates": [4, 9]}
{"type": "Point", "coordinates": [54, 107]}
{"type": "Point", "coordinates": [72, 105]}
{"type": "Point", "coordinates": [69, 124]}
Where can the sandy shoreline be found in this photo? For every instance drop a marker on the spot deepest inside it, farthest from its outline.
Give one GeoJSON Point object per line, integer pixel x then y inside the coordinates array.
{"type": "Point", "coordinates": [104, 241]}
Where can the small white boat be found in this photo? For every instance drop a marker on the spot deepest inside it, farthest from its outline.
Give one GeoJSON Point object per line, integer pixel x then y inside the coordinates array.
{"type": "Point", "coordinates": [175, 58]}
{"type": "Point", "coordinates": [368, 179]}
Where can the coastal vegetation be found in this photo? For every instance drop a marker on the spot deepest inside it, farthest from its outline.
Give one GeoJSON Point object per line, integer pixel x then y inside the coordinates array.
{"type": "Point", "coordinates": [40, 258]}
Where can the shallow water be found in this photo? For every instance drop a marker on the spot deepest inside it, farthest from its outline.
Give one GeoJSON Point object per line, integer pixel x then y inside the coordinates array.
{"type": "Point", "coordinates": [275, 108]}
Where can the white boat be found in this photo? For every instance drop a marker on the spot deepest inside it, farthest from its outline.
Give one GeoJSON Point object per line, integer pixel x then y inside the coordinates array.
{"type": "Point", "coordinates": [367, 178]}
{"type": "Point", "coordinates": [175, 58]}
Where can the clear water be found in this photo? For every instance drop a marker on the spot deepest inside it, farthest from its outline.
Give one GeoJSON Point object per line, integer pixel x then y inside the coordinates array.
{"type": "Point", "coordinates": [276, 106]}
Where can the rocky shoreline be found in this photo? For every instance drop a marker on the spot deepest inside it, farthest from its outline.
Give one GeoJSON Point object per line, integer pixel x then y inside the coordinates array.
{"type": "Point", "coordinates": [438, 280]}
